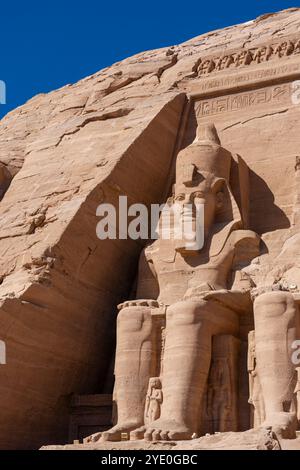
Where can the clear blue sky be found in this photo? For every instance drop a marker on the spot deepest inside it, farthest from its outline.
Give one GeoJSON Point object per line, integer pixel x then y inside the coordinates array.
{"type": "Point", "coordinates": [48, 44]}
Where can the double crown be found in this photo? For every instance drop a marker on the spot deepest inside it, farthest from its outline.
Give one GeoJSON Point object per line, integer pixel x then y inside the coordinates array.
{"type": "Point", "coordinates": [205, 156]}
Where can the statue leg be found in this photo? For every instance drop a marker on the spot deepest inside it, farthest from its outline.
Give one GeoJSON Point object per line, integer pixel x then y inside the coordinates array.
{"type": "Point", "coordinates": [189, 329]}
{"type": "Point", "coordinates": [135, 360]}
{"type": "Point", "coordinates": [275, 330]}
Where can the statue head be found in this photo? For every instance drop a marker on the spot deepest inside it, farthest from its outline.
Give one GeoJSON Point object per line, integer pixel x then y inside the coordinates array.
{"type": "Point", "coordinates": [202, 176]}
{"type": "Point", "coordinates": [154, 382]}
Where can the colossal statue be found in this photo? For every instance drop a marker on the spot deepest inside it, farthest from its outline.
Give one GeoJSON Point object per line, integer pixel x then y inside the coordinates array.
{"type": "Point", "coordinates": [277, 329]}
{"type": "Point", "coordinates": [188, 295]}
{"type": "Point", "coordinates": [276, 317]}
{"type": "Point", "coordinates": [195, 293]}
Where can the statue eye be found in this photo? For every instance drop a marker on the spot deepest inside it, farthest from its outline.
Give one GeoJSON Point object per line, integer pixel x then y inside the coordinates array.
{"type": "Point", "coordinates": [180, 197]}
{"type": "Point", "coordinates": [198, 194]}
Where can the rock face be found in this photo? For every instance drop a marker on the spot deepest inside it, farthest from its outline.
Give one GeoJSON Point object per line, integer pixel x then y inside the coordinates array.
{"type": "Point", "coordinates": [254, 439]}
{"type": "Point", "coordinates": [118, 133]}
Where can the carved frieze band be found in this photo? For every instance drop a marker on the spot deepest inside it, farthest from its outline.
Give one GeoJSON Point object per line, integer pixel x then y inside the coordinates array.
{"type": "Point", "coordinates": [278, 94]}
{"type": "Point", "coordinates": [246, 57]}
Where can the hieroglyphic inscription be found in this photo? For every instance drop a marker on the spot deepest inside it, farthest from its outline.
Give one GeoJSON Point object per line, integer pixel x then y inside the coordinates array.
{"type": "Point", "coordinates": [255, 75]}
{"type": "Point", "coordinates": [278, 94]}
{"type": "Point", "coordinates": [246, 57]}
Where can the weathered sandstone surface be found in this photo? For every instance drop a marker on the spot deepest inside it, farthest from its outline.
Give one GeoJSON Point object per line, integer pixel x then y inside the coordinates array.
{"type": "Point", "coordinates": [114, 133]}
{"type": "Point", "coordinates": [247, 440]}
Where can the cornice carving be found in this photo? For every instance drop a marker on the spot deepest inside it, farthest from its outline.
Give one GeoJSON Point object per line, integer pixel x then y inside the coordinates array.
{"type": "Point", "coordinates": [248, 57]}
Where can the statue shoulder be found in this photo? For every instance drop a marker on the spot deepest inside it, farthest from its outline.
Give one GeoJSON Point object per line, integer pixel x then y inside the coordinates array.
{"type": "Point", "coordinates": [245, 246]}
{"type": "Point", "coordinates": [150, 250]}
{"type": "Point", "coordinates": [239, 238]}
{"type": "Point", "coordinates": [229, 237]}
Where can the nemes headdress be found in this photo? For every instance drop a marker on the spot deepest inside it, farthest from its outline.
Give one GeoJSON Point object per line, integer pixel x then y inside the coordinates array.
{"type": "Point", "coordinates": [205, 155]}
{"type": "Point", "coordinates": [206, 162]}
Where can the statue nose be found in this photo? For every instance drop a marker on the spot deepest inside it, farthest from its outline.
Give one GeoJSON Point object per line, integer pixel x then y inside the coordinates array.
{"type": "Point", "coordinates": [188, 199]}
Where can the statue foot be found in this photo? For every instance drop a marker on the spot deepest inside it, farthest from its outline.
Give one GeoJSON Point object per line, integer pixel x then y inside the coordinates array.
{"type": "Point", "coordinates": [115, 434]}
{"type": "Point", "coordinates": [92, 438]}
{"type": "Point", "coordinates": [162, 430]}
{"type": "Point", "coordinates": [284, 424]}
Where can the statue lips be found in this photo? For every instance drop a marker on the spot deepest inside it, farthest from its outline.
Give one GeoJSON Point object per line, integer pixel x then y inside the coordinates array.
{"type": "Point", "coordinates": [190, 222]}
{"type": "Point", "coordinates": [188, 241]}
{"type": "Point", "coordinates": [187, 220]}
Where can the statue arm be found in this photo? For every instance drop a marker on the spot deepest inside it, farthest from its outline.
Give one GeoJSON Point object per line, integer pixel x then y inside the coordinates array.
{"type": "Point", "coordinates": [147, 406]}
{"type": "Point", "coordinates": [160, 397]}
{"type": "Point", "coordinates": [241, 247]}
{"type": "Point", "coordinates": [246, 248]}
{"type": "Point", "coordinates": [147, 285]}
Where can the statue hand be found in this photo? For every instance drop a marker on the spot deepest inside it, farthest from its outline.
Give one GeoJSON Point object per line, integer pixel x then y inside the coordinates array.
{"type": "Point", "coordinates": [139, 303]}
{"type": "Point", "coordinates": [197, 291]}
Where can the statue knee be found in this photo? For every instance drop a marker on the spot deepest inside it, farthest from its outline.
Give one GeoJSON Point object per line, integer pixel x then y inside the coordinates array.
{"type": "Point", "coordinates": [186, 312]}
{"type": "Point", "coordinates": [274, 304]}
{"type": "Point", "coordinates": [133, 318]}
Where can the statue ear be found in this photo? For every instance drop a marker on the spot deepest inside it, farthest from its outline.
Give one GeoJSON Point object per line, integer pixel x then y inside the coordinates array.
{"type": "Point", "coordinates": [218, 187]}
{"type": "Point", "coordinates": [220, 199]}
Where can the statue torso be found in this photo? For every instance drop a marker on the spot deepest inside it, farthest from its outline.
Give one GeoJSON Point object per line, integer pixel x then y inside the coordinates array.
{"type": "Point", "coordinates": [176, 274]}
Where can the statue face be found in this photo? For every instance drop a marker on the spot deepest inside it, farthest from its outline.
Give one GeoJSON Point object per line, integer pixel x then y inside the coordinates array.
{"type": "Point", "coordinates": [194, 201]}
{"type": "Point", "coordinates": [154, 382]}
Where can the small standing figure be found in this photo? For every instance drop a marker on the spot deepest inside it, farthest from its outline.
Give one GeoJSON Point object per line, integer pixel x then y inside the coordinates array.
{"type": "Point", "coordinates": [297, 47]}
{"type": "Point", "coordinates": [263, 54]}
{"type": "Point", "coordinates": [154, 400]}
{"type": "Point", "coordinates": [219, 395]}
{"type": "Point", "coordinates": [255, 395]}
{"type": "Point", "coordinates": [224, 62]}
{"type": "Point", "coordinates": [284, 49]}
{"type": "Point", "coordinates": [206, 67]}
{"type": "Point", "coordinates": [297, 392]}
{"type": "Point", "coordinates": [243, 58]}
